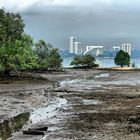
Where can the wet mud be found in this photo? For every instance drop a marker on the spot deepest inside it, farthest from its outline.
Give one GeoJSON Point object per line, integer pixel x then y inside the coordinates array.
{"type": "Point", "coordinates": [80, 105]}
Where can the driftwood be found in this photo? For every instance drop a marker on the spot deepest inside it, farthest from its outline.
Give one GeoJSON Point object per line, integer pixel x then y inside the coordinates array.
{"type": "Point", "coordinates": [36, 131]}
{"type": "Point", "coordinates": [33, 132]}
{"type": "Point", "coordinates": [62, 90]}
{"type": "Point", "coordinates": [45, 128]}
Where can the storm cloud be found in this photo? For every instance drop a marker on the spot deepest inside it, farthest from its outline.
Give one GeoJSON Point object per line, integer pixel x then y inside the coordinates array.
{"type": "Point", "coordinates": [96, 22]}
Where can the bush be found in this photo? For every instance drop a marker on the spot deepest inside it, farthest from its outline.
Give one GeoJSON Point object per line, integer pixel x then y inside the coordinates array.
{"type": "Point", "coordinates": [84, 61]}
{"type": "Point", "coordinates": [122, 59]}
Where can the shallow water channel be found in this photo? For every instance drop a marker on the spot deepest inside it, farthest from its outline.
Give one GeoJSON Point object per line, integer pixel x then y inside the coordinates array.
{"type": "Point", "coordinates": [95, 107]}
{"type": "Point", "coordinates": [57, 111]}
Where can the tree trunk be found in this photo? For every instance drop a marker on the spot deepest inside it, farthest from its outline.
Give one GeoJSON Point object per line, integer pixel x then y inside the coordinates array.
{"type": "Point", "coordinates": [7, 73]}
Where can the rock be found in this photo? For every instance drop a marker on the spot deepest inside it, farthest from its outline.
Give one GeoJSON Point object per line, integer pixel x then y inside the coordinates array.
{"type": "Point", "coordinates": [20, 94]}
{"type": "Point", "coordinates": [30, 93]}
{"type": "Point", "coordinates": [61, 96]}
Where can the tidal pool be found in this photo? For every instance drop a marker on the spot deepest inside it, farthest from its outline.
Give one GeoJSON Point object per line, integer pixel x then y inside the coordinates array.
{"type": "Point", "coordinates": [91, 102]}
{"type": "Point", "coordinates": [103, 75]}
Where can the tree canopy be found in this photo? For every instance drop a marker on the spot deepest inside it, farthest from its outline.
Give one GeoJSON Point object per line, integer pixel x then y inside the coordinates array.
{"type": "Point", "coordinates": [122, 59]}
{"type": "Point", "coordinates": [11, 27]}
{"type": "Point", "coordinates": [84, 61]}
{"type": "Point", "coordinates": [16, 47]}
{"type": "Point", "coordinates": [47, 57]}
{"type": "Point", "coordinates": [54, 59]}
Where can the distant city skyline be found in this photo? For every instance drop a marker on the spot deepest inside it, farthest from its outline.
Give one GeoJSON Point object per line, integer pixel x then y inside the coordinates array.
{"type": "Point", "coordinates": [93, 22]}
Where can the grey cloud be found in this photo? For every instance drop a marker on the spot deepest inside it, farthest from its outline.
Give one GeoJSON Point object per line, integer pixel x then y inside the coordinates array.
{"type": "Point", "coordinates": [96, 22]}
{"type": "Point", "coordinates": [107, 28]}
{"type": "Point", "coordinates": [100, 24]}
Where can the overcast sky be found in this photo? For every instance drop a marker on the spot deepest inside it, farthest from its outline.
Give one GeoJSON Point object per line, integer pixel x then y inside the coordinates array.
{"type": "Point", "coordinates": [93, 22]}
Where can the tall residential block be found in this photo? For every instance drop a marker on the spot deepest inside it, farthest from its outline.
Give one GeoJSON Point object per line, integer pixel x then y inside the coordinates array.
{"type": "Point", "coordinates": [72, 40]}
{"type": "Point", "coordinates": [127, 48]}
{"type": "Point", "coordinates": [77, 47]}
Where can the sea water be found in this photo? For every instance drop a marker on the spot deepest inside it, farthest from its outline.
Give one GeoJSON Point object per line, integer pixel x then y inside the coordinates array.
{"type": "Point", "coordinates": [103, 62]}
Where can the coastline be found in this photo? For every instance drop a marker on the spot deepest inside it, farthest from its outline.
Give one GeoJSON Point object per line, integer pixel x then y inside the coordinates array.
{"type": "Point", "coordinates": [105, 102]}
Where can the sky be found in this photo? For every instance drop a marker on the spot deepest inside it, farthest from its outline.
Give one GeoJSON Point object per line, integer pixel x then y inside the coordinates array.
{"type": "Point", "coordinates": [92, 22]}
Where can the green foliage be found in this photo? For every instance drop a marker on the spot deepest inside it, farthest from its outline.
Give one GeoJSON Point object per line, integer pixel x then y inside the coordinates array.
{"type": "Point", "coordinates": [41, 49]}
{"type": "Point", "coordinates": [41, 52]}
{"type": "Point", "coordinates": [54, 60]}
{"type": "Point", "coordinates": [16, 47]}
{"type": "Point", "coordinates": [48, 57]}
{"type": "Point", "coordinates": [133, 65]}
{"type": "Point", "coordinates": [77, 61]}
{"type": "Point", "coordinates": [11, 27]}
{"type": "Point", "coordinates": [25, 59]}
{"type": "Point", "coordinates": [17, 55]}
{"type": "Point", "coordinates": [85, 61]}
{"type": "Point", "coordinates": [122, 59]}
{"type": "Point", "coordinates": [88, 60]}
{"type": "Point", "coordinates": [11, 30]}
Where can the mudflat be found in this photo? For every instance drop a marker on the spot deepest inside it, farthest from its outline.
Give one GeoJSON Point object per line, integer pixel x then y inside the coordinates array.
{"type": "Point", "coordinates": [74, 104]}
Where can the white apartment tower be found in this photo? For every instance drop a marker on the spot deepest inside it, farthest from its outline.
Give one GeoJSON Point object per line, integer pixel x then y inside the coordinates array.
{"type": "Point", "coordinates": [77, 47]}
{"type": "Point", "coordinates": [127, 48]}
{"type": "Point", "coordinates": [72, 40]}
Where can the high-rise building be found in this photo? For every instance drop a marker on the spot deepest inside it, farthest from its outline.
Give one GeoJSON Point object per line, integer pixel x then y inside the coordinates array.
{"type": "Point", "coordinates": [77, 48]}
{"type": "Point", "coordinates": [127, 48]}
{"type": "Point", "coordinates": [72, 40]}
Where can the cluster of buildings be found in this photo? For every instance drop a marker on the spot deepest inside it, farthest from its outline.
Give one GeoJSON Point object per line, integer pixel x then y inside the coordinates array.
{"type": "Point", "coordinates": [125, 47]}
{"type": "Point", "coordinates": [75, 48]}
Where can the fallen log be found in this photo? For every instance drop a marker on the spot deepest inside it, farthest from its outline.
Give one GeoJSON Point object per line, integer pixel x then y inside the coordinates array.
{"type": "Point", "coordinates": [62, 90]}
{"type": "Point", "coordinates": [33, 132]}
{"type": "Point", "coordinates": [45, 128]}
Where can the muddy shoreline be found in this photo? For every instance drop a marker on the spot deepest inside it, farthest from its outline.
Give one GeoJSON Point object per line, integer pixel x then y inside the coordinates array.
{"type": "Point", "coordinates": [75, 104]}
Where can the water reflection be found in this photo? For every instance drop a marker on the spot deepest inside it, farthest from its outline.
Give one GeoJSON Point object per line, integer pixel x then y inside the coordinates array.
{"type": "Point", "coordinates": [12, 125]}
